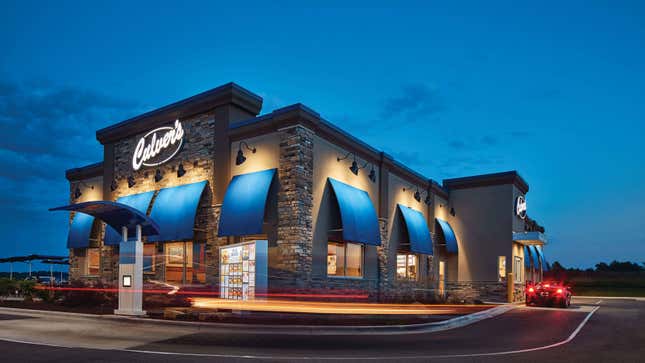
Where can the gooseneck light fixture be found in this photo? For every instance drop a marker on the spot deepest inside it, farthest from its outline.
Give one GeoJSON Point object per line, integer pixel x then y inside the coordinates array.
{"type": "Point", "coordinates": [131, 181]}
{"type": "Point", "coordinates": [180, 170]}
{"type": "Point", "coordinates": [418, 193]}
{"type": "Point", "coordinates": [355, 168]}
{"type": "Point", "coordinates": [113, 185]}
{"type": "Point", "coordinates": [158, 175]}
{"type": "Point", "coordinates": [240, 159]}
{"type": "Point", "coordinates": [77, 190]}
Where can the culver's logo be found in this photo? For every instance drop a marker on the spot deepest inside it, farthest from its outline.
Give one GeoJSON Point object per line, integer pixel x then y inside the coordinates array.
{"type": "Point", "coordinates": [158, 146]}
{"type": "Point", "coordinates": [520, 207]}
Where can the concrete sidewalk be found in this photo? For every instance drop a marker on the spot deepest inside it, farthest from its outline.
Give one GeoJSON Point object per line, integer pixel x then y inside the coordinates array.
{"type": "Point", "coordinates": [91, 319]}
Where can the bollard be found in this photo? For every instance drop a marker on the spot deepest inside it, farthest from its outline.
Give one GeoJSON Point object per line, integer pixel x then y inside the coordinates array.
{"type": "Point", "coordinates": [510, 286]}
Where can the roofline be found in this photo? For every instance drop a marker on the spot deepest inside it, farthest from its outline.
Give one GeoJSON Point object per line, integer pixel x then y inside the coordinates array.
{"type": "Point", "coordinates": [299, 114]}
{"type": "Point", "coordinates": [224, 94]}
{"type": "Point", "coordinates": [85, 172]}
{"type": "Point", "coordinates": [483, 180]}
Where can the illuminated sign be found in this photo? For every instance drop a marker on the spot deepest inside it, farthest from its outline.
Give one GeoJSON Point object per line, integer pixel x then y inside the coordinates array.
{"type": "Point", "coordinates": [158, 146]}
{"type": "Point", "coordinates": [520, 207]}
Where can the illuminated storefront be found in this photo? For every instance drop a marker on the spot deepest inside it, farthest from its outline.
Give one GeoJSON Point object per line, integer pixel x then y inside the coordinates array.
{"type": "Point", "coordinates": [251, 205]}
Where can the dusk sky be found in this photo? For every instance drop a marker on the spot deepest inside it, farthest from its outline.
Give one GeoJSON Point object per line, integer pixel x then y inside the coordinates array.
{"type": "Point", "coordinates": [553, 91]}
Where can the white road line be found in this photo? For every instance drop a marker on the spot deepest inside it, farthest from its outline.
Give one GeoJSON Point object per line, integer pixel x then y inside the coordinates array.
{"type": "Point", "coordinates": [563, 342]}
{"type": "Point", "coordinates": [598, 302]}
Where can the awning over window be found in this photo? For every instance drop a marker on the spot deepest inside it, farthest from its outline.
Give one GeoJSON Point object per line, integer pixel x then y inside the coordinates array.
{"type": "Point", "coordinates": [116, 215]}
{"type": "Point", "coordinates": [79, 231]}
{"type": "Point", "coordinates": [174, 210]}
{"type": "Point", "coordinates": [534, 257]}
{"type": "Point", "coordinates": [245, 203]}
{"type": "Point", "coordinates": [527, 257]}
{"type": "Point", "coordinates": [357, 214]}
{"type": "Point", "coordinates": [418, 232]}
{"type": "Point", "coordinates": [545, 264]}
{"type": "Point", "coordinates": [140, 202]}
{"type": "Point", "coordinates": [448, 235]}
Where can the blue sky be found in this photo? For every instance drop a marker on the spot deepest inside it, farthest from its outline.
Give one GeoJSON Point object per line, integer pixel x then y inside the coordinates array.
{"type": "Point", "coordinates": [552, 90]}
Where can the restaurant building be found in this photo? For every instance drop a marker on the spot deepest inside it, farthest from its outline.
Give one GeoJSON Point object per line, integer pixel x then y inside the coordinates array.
{"type": "Point", "coordinates": [286, 203]}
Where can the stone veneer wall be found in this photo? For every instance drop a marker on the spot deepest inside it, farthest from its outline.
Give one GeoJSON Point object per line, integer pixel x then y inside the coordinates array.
{"type": "Point", "coordinates": [292, 265]}
{"type": "Point", "coordinates": [197, 157]}
{"type": "Point", "coordinates": [477, 291]}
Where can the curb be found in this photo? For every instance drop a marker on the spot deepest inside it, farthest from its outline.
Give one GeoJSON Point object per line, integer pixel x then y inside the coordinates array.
{"type": "Point", "coordinates": [453, 323]}
{"type": "Point", "coordinates": [610, 297]}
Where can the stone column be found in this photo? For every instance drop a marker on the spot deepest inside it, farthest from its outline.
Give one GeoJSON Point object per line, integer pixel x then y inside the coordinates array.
{"type": "Point", "coordinates": [295, 207]}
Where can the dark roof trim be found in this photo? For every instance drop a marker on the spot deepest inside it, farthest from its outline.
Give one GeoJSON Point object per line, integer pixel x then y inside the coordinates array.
{"type": "Point", "coordinates": [299, 114]}
{"type": "Point", "coordinates": [509, 177]}
{"type": "Point", "coordinates": [85, 172]}
{"type": "Point", "coordinates": [205, 101]}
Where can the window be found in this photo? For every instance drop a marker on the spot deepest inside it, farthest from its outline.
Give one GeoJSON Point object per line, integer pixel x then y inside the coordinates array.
{"type": "Point", "coordinates": [517, 268]}
{"type": "Point", "coordinates": [185, 262]}
{"type": "Point", "coordinates": [344, 259]}
{"type": "Point", "coordinates": [501, 267]}
{"type": "Point", "coordinates": [149, 257]}
{"type": "Point", "coordinates": [93, 260]}
{"type": "Point", "coordinates": [406, 266]}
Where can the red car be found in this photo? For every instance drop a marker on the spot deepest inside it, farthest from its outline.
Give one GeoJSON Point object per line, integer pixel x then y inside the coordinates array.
{"type": "Point", "coordinates": [548, 294]}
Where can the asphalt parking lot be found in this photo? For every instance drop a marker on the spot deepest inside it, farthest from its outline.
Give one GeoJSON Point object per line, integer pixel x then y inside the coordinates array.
{"type": "Point", "coordinates": [612, 331]}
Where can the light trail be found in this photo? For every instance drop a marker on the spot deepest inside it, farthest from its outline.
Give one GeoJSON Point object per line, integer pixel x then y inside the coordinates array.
{"type": "Point", "coordinates": [286, 306]}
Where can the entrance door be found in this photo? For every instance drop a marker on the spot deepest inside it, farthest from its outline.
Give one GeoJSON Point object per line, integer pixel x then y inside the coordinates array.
{"type": "Point", "coordinates": [442, 278]}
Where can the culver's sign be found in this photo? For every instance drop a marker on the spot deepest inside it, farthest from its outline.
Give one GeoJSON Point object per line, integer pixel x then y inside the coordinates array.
{"type": "Point", "coordinates": [520, 207]}
{"type": "Point", "coordinates": [158, 146]}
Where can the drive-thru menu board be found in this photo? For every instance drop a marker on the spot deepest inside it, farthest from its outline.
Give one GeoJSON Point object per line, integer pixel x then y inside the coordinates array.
{"type": "Point", "coordinates": [243, 270]}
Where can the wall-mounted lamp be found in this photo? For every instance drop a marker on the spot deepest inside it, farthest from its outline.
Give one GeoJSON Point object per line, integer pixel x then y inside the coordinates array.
{"type": "Point", "coordinates": [417, 195]}
{"type": "Point", "coordinates": [452, 212]}
{"type": "Point", "coordinates": [355, 168]}
{"type": "Point", "coordinates": [77, 190]}
{"type": "Point", "coordinates": [240, 159]}
{"type": "Point", "coordinates": [131, 181]}
{"type": "Point", "coordinates": [158, 175]}
{"type": "Point", "coordinates": [113, 185]}
{"type": "Point", "coordinates": [180, 170]}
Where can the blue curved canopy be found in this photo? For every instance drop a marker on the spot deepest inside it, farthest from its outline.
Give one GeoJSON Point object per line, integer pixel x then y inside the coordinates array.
{"type": "Point", "coordinates": [527, 257]}
{"type": "Point", "coordinates": [116, 215]}
{"type": "Point", "coordinates": [357, 214]}
{"type": "Point", "coordinates": [244, 204]}
{"type": "Point", "coordinates": [448, 235]}
{"type": "Point", "coordinates": [418, 232]}
{"type": "Point", "coordinates": [545, 264]}
{"type": "Point", "coordinates": [535, 257]}
{"type": "Point", "coordinates": [175, 209]}
{"type": "Point", "coordinates": [140, 202]}
{"type": "Point", "coordinates": [79, 231]}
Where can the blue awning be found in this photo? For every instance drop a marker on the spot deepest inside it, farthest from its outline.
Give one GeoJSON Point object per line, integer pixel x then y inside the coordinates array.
{"type": "Point", "coordinates": [545, 264]}
{"type": "Point", "coordinates": [79, 231]}
{"type": "Point", "coordinates": [140, 202]}
{"type": "Point", "coordinates": [357, 214]}
{"type": "Point", "coordinates": [527, 257]}
{"type": "Point", "coordinates": [535, 257]}
{"type": "Point", "coordinates": [174, 210]}
{"type": "Point", "coordinates": [245, 204]}
{"type": "Point", "coordinates": [116, 215]}
{"type": "Point", "coordinates": [448, 236]}
{"type": "Point", "coordinates": [418, 232]}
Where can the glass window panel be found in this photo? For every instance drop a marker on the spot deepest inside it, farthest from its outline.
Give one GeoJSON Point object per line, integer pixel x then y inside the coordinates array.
{"type": "Point", "coordinates": [93, 261]}
{"type": "Point", "coordinates": [335, 259]}
{"type": "Point", "coordinates": [354, 260]}
{"type": "Point", "coordinates": [199, 266]}
{"type": "Point", "coordinates": [400, 266]}
{"type": "Point", "coordinates": [149, 257]}
{"type": "Point", "coordinates": [501, 265]}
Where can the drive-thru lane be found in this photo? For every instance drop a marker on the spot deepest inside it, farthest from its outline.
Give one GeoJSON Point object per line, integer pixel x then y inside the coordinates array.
{"type": "Point", "coordinates": [611, 333]}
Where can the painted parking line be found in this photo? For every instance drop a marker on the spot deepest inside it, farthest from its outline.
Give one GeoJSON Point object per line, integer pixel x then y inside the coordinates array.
{"type": "Point", "coordinates": [381, 357]}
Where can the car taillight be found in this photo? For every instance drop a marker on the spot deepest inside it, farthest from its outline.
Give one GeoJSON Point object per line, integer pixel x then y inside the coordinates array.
{"type": "Point", "coordinates": [547, 285]}
{"type": "Point", "coordinates": [531, 289]}
{"type": "Point", "coordinates": [559, 291]}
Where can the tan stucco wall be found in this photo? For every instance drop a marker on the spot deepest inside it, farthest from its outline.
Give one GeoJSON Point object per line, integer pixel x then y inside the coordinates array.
{"type": "Point", "coordinates": [397, 195]}
{"type": "Point", "coordinates": [483, 225]}
{"type": "Point", "coordinates": [267, 155]}
{"type": "Point", "coordinates": [326, 166]}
